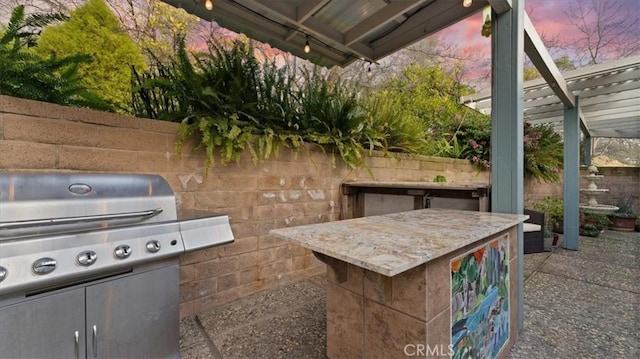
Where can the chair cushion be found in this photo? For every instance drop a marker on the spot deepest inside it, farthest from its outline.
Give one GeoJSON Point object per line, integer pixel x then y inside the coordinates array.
{"type": "Point", "coordinates": [531, 227]}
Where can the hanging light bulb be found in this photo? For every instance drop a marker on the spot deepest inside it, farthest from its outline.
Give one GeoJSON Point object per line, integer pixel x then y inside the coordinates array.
{"type": "Point", "coordinates": [466, 3]}
{"type": "Point", "coordinates": [208, 4]}
{"type": "Point", "coordinates": [307, 47]}
{"type": "Point", "coordinates": [369, 74]}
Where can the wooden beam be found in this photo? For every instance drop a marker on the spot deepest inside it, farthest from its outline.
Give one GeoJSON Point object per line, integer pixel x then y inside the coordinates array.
{"type": "Point", "coordinates": [308, 8]}
{"type": "Point", "coordinates": [305, 11]}
{"type": "Point", "coordinates": [500, 6]}
{"type": "Point", "coordinates": [583, 123]}
{"type": "Point", "coordinates": [426, 21]}
{"type": "Point", "coordinates": [538, 54]}
{"type": "Point", "coordinates": [381, 18]}
{"type": "Point", "coordinates": [279, 12]}
{"type": "Point", "coordinates": [616, 133]}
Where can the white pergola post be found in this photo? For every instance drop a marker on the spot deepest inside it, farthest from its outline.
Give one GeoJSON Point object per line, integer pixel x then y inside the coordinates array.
{"type": "Point", "coordinates": [507, 128]}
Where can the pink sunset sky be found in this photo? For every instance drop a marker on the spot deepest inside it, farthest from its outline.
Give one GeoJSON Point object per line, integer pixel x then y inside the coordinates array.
{"type": "Point", "coordinates": [548, 17]}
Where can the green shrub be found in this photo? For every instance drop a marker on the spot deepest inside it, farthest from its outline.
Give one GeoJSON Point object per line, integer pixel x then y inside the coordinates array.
{"type": "Point", "coordinates": [625, 208]}
{"type": "Point", "coordinates": [590, 230]}
{"type": "Point", "coordinates": [401, 130]}
{"type": "Point", "coordinates": [553, 209]}
{"type": "Point", "coordinates": [94, 30]}
{"type": "Point", "coordinates": [600, 221]}
{"type": "Point", "coordinates": [26, 74]}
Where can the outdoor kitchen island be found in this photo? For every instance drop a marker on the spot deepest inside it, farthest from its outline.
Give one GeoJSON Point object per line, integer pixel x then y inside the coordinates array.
{"type": "Point", "coordinates": [429, 282]}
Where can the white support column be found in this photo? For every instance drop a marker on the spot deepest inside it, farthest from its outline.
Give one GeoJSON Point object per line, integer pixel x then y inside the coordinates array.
{"type": "Point", "coordinates": [571, 192]}
{"type": "Point", "coordinates": [507, 156]}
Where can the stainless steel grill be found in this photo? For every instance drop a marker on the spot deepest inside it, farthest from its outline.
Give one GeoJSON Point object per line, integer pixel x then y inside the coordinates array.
{"type": "Point", "coordinates": [88, 264]}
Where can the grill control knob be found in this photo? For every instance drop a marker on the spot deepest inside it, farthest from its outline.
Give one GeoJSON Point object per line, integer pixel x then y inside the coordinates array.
{"type": "Point", "coordinates": [153, 246]}
{"type": "Point", "coordinates": [122, 251]}
{"type": "Point", "coordinates": [44, 266]}
{"type": "Point", "coordinates": [87, 258]}
{"type": "Point", "coordinates": [3, 273]}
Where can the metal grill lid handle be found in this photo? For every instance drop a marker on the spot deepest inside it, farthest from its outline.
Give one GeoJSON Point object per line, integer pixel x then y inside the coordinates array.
{"type": "Point", "coordinates": [142, 215]}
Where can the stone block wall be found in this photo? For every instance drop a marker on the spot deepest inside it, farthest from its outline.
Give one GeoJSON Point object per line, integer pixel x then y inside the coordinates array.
{"type": "Point", "coordinates": [622, 183]}
{"type": "Point", "coordinates": [292, 189]}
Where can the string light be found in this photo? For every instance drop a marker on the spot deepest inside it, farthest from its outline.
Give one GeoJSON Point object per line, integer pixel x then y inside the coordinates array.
{"type": "Point", "coordinates": [307, 47]}
{"type": "Point", "coordinates": [208, 4]}
{"type": "Point", "coordinates": [466, 3]}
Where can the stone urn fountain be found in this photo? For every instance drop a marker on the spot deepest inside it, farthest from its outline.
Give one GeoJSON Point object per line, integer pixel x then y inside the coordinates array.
{"type": "Point", "coordinates": [592, 191]}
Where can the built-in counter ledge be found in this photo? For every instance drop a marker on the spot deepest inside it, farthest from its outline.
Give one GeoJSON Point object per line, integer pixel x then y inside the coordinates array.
{"type": "Point", "coordinates": [393, 243]}
{"type": "Point", "coordinates": [416, 184]}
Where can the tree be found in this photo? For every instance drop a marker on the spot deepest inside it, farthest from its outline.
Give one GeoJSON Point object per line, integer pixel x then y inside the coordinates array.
{"type": "Point", "coordinates": [37, 6]}
{"type": "Point", "coordinates": [93, 30]}
{"type": "Point", "coordinates": [563, 63]}
{"type": "Point", "coordinates": [431, 92]}
{"type": "Point", "coordinates": [26, 74]}
{"type": "Point", "coordinates": [609, 29]}
{"type": "Point", "coordinates": [154, 26]}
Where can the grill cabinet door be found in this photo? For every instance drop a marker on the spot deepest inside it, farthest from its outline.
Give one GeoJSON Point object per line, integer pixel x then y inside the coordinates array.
{"type": "Point", "coordinates": [44, 327]}
{"type": "Point", "coordinates": [135, 316]}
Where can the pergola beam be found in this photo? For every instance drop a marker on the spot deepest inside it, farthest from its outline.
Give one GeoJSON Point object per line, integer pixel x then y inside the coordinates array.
{"type": "Point", "coordinates": [312, 27]}
{"type": "Point", "coordinates": [542, 60]}
{"type": "Point", "coordinates": [308, 8]}
{"type": "Point", "coordinates": [583, 124]}
{"type": "Point", "coordinates": [616, 133]}
{"type": "Point", "coordinates": [433, 17]}
{"type": "Point", "coordinates": [304, 11]}
{"type": "Point", "coordinates": [500, 6]}
{"type": "Point", "coordinates": [381, 18]}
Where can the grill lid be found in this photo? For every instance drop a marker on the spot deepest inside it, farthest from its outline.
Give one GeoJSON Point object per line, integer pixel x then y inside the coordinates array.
{"type": "Point", "coordinates": [56, 229]}
{"type": "Point", "coordinates": [38, 204]}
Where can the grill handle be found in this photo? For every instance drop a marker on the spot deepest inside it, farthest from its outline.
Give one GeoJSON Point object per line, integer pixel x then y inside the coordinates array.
{"type": "Point", "coordinates": [81, 219]}
{"type": "Point", "coordinates": [77, 345]}
{"type": "Point", "coordinates": [95, 341]}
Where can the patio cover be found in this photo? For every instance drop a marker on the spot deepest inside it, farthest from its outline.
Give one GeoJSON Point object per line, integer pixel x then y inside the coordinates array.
{"type": "Point", "coordinates": [339, 31]}
{"type": "Point", "coordinates": [609, 94]}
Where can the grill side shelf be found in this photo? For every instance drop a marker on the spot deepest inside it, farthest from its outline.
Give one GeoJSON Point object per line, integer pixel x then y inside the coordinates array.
{"type": "Point", "coordinates": [205, 232]}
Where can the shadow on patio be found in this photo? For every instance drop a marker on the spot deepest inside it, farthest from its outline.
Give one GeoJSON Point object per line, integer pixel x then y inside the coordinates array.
{"type": "Point", "coordinates": [583, 304]}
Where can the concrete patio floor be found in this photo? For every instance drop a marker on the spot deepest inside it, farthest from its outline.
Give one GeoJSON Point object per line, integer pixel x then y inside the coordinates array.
{"type": "Point", "coordinates": [578, 304]}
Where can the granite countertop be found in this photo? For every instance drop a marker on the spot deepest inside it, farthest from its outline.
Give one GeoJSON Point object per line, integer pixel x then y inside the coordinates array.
{"type": "Point", "coordinates": [393, 243]}
{"type": "Point", "coordinates": [418, 185]}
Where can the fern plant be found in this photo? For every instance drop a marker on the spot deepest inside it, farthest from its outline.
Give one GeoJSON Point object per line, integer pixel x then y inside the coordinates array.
{"type": "Point", "coordinates": [28, 75]}
{"type": "Point", "coordinates": [230, 102]}
{"type": "Point", "coordinates": [543, 152]}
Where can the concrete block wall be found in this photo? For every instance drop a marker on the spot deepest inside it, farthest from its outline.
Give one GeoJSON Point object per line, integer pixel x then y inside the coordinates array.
{"type": "Point", "coordinates": [292, 189]}
{"type": "Point", "coordinates": [622, 183]}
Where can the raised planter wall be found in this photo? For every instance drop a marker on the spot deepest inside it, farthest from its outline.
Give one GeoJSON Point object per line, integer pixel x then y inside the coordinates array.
{"type": "Point", "coordinates": [293, 189]}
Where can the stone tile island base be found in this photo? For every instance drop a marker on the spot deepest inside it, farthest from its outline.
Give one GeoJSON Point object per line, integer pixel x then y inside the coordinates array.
{"type": "Point", "coordinates": [425, 283]}
{"type": "Point", "coordinates": [370, 315]}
